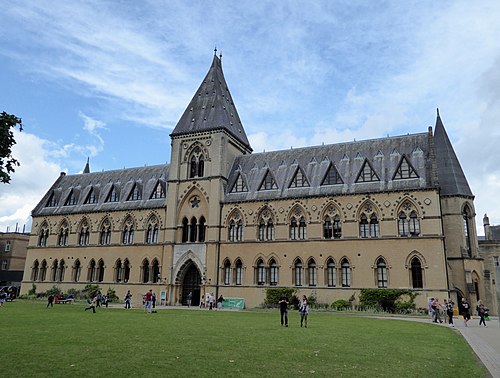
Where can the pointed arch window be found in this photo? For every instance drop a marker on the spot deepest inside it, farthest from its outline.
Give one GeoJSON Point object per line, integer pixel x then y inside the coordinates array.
{"type": "Point", "coordinates": [43, 271]}
{"type": "Point", "coordinates": [227, 272]}
{"type": "Point", "coordinates": [100, 271]}
{"type": "Point", "coordinates": [54, 273]}
{"type": "Point", "coordinates": [311, 272]}
{"type": "Point", "coordinates": [128, 232]}
{"type": "Point", "coordinates": [367, 174]}
{"type": "Point", "coordinates": [145, 271]}
{"type": "Point", "coordinates": [299, 180]}
{"type": "Point", "coordinates": [201, 229]}
{"type": "Point", "coordinates": [239, 272]}
{"type": "Point", "coordinates": [43, 236]}
{"type": "Point", "coordinates": [152, 231]}
{"type": "Point", "coordinates": [294, 229]}
{"type": "Point", "coordinates": [185, 230]}
{"type": "Point", "coordinates": [126, 271]}
{"type": "Point", "coordinates": [105, 233]}
{"type": "Point", "coordinates": [196, 163]}
{"type": "Point", "coordinates": [381, 273]}
{"type": "Point", "coordinates": [346, 273]}
{"type": "Point", "coordinates": [91, 197]}
{"type": "Point", "coordinates": [60, 271]}
{"type": "Point", "coordinates": [155, 267]}
{"type": "Point", "coordinates": [84, 236]}
{"type": "Point", "coordinates": [414, 225]}
{"type": "Point", "coordinates": [112, 195]}
{"type": "Point", "coordinates": [297, 272]}
{"type": "Point", "coordinates": [76, 271]}
{"type": "Point", "coordinates": [364, 229]}
{"type": "Point", "coordinates": [374, 226]}
{"type": "Point", "coordinates": [135, 193]}
{"type": "Point", "coordinates": [158, 192]}
{"type": "Point", "coordinates": [331, 273]}
{"type": "Point", "coordinates": [273, 273]}
{"type": "Point", "coordinates": [416, 273]}
{"type": "Point", "coordinates": [239, 185]}
{"type": "Point", "coordinates": [35, 270]}
{"type": "Point", "coordinates": [467, 220]}
{"type": "Point", "coordinates": [260, 273]}
{"type": "Point", "coordinates": [266, 227]}
{"type": "Point", "coordinates": [71, 200]}
{"type": "Point", "coordinates": [92, 271]}
{"type": "Point", "coordinates": [118, 271]}
{"type": "Point", "coordinates": [405, 170]}
{"type": "Point", "coordinates": [332, 176]}
{"type": "Point", "coordinates": [268, 183]}
{"type": "Point", "coordinates": [62, 239]}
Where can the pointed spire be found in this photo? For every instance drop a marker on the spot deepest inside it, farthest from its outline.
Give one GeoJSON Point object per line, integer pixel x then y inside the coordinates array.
{"type": "Point", "coordinates": [452, 179]}
{"type": "Point", "coordinates": [212, 108]}
{"type": "Point", "coordinates": [87, 167]}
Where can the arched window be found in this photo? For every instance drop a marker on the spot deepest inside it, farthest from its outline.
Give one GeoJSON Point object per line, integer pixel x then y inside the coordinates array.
{"type": "Point", "coordinates": [374, 227]}
{"type": "Point", "coordinates": [105, 233]}
{"type": "Point", "coordinates": [126, 271]}
{"type": "Point", "coordinates": [416, 273]}
{"type": "Point", "coordinates": [152, 231]}
{"type": "Point", "coordinates": [197, 163]}
{"type": "Point", "coordinates": [467, 230]}
{"type": "Point", "coordinates": [270, 230]}
{"type": "Point", "coordinates": [91, 275]}
{"type": "Point", "coordinates": [414, 224]}
{"type": "Point", "coordinates": [156, 271]}
{"type": "Point", "coordinates": [266, 226]}
{"type": "Point", "coordinates": [76, 271]}
{"type": "Point", "coordinates": [331, 273]}
{"type": "Point", "coordinates": [273, 272]}
{"type": "Point", "coordinates": [53, 276]}
{"type": "Point", "coordinates": [84, 236]}
{"type": "Point", "coordinates": [302, 229]}
{"type": "Point", "coordinates": [260, 272]}
{"type": "Point", "coordinates": [192, 230]}
{"type": "Point", "coordinates": [327, 228]}
{"type": "Point", "coordinates": [227, 272]}
{"type": "Point", "coordinates": [185, 230]}
{"type": "Point", "coordinates": [34, 270]}
{"type": "Point", "coordinates": [403, 225]}
{"type": "Point", "coordinates": [311, 272]}
{"type": "Point", "coordinates": [128, 233]}
{"type": "Point", "coordinates": [408, 223]}
{"type": "Point", "coordinates": [62, 240]}
{"type": "Point", "coordinates": [346, 273]}
{"type": "Point", "coordinates": [381, 273]}
{"type": "Point", "coordinates": [294, 229]}
{"type": "Point", "coordinates": [239, 272]}
{"type": "Point", "coordinates": [43, 271]}
{"type": "Point", "coordinates": [145, 271]}
{"type": "Point", "coordinates": [337, 227]}
{"type": "Point", "coordinates": [118, 271]}
{"type": "Point", "coordinates": [364, 230]}
{"type": "Point", "coordinates": [60, 271]}
{"type": "Point", "coordinates": [262, 230]}
{"type": "Point", "coordinates": [298, 274]}
{"type": "Point", "coordinates": [100, 271]}
{"type": "Point", "coordinates": [43, 236]}
{"type": "Point", "coordinates": [201, 229]}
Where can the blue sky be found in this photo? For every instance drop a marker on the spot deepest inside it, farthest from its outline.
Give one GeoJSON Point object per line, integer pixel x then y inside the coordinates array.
{"type": "Point", "coordinates": [109, 80]}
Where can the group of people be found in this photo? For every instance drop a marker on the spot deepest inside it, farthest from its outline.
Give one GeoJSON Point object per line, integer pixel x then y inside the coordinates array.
{"type": "Point", "coordinates": [209, 301]}
{"type": "Point", "coordinates": [435, 308]}
{"type": "Point", "coordinates": [303, 311]}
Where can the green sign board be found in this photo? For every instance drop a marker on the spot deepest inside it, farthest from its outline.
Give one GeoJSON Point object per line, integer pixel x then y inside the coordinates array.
{"type": "Point", "coordinates": [233, 303]}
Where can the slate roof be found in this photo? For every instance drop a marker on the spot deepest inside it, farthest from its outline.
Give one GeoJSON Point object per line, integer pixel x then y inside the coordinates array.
{"type": "Point", "coordinates": [101, 182]}
{"type": "Point", "coordinates": [212, 108]}
{"type": "Point", "coordinates": [383, 155]}
{"type": "Point", "coordinates": [451, 176]}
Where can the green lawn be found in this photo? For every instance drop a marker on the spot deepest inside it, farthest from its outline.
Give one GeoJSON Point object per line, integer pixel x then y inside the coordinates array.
{"type": "Point", "coordinates": [66, 341]}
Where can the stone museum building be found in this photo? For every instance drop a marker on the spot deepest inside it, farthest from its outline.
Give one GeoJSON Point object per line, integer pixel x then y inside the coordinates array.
{"type": "Point", "coordinates": [329, 220]}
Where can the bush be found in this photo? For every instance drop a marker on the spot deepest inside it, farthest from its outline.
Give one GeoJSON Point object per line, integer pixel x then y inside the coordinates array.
{"type": "Point", "coordinates": [32, 291]}
{"type": "Point", "coordinates": [389, 300]}
{"type": "Point", "coordinates": [341, 304]}
{"type": "Point", "coordinates": [274, 295]}
{"type": "Point", "coordinates": [91, 291]}
{"type": "Point", "coordinates": [112, 294]}
{"type": "Point", "coordinates": [53, 291]}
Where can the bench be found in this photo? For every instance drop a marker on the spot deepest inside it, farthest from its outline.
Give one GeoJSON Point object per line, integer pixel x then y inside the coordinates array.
{"type": "Point", "coordinates": [63, 301]}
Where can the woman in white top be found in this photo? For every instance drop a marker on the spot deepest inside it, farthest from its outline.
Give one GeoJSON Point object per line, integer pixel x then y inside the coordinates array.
{"type": "Point", "coordinates": [303, 310]}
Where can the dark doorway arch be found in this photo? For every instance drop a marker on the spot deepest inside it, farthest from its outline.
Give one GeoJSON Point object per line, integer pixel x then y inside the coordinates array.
{"type": "Point", "coordinates": [191, 283]}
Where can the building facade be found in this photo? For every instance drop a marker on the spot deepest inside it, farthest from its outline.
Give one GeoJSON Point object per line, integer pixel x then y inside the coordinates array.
{"type": "Point", "coordinates": [489, 249]}
{"type": "Point", "coordinates": [13, 250]}
{"type": "Point", "coordinates": [329, 220]}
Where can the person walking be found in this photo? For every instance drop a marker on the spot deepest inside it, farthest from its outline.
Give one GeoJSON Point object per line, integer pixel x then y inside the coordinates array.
{"type": "Point", "coordinates": [465, 307]}
{"type": "Point", "coordinates": [430, 310]}
{"type": "Point", "coordinates": [189, 298]}
{"type": "Point", "coordinates": [304, 311]}
{"type": "Point", "coordinates": [448, 307]}
{"type": "Point", "coordinates": [50, 301]}
{"type": "Point", "coordinates": [284, 310]}
{"type": "Point", "coordinates": [481, 311]}
{"type": "Point", "coordinates": [436, 307]}
{"type": "Point", "coordinates": [202, 302]}
{"type": "Point", "coordinates": [128, 299]}
{"type": "Point", "coordinates": [219, 302]}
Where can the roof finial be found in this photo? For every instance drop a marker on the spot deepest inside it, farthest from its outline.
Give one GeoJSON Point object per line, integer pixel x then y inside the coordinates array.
{"type": "Point", "coordinates": [437, 111]}
{"type": "Point", "coordinates": [220, 56]}
{"type": "Point", "coordinates": [215, 50]}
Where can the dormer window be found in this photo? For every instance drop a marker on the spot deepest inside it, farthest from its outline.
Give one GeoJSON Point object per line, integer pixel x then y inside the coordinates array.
{"type": "Point", "coordinates": [71, 200]}
{"type": "Point", "coordinates": [112, 195]}
{"type": "Point", "coordinates": [91, 197]}
{"type": "Point", "coordinates": [135, 193]}
{"type": "Point", "coordinates": [158, 192]}
{"type": "Point", "coordinates": [52, 202]}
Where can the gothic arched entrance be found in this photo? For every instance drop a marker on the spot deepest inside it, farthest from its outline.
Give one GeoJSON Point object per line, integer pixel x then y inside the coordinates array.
{"type": "Point", "coordinates": [191, 283]}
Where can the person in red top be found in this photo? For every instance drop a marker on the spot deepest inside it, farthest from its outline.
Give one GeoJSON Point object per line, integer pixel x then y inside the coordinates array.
{"type": "Point", "coordinates": [148, 301]}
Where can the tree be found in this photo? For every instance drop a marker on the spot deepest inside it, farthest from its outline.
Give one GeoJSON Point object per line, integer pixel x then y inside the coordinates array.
{"type": "Point", "coordinates": [7, 162]}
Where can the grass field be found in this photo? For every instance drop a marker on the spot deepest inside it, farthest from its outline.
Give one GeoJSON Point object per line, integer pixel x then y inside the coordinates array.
{"type": "Point", "coordinates": [66, 341]}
